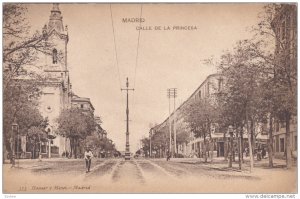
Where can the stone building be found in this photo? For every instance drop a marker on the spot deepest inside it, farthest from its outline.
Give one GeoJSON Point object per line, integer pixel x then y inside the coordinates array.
{"type": "Point", "coordinates": [82, 103]}
{"type": "Point", "coordinates": [55, 86]}
{"type": "Point", "coordinates": [207, 90]}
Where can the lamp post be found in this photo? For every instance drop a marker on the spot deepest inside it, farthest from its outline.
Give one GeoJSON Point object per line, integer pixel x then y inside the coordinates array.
{"type": "Point", "coordinates": [15, 129]}
{"type": "Point", "coordinates": [230, 130]}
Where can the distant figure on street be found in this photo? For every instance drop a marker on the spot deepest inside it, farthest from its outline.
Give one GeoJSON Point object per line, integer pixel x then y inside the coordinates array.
{"type": "Point", "coordinates": [88, 158]}
{"type": "Point", "coordinates": [168, 155]}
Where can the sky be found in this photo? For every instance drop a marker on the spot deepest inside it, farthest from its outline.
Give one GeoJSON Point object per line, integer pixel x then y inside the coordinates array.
{"type": "Point", "coordinates": [167, 58]}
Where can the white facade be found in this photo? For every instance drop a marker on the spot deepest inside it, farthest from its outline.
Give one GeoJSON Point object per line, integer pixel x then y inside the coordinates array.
{"type": "Point", "coordinates": [56, 87]}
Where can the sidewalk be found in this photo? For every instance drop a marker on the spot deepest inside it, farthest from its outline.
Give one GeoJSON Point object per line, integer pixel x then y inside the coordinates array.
{"type": "Point", "coordinates": [221, 163]}
{"type": "Point", "coordinates": [35, 163]}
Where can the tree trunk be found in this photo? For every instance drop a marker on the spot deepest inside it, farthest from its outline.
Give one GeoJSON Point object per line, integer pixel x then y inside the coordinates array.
{"type": "Point", "coordinates": [40, 151]}
{"type": "Point", "coordinates": [225, 148]}
{"type": "Point", "coordinates": [240, 147]}
{"type": "Point", "coordinates": [250, 144]}
{"type": "Point", "coordinates": [33, 150]}
{"type": "Point", "coordinates": [204, 151]}
{"type": "Point", "coordinates": [288, 149]}
{"type": "Point", "coordinates": [252, 136]}
{"type": "Point", "coordinates": [242, 144]}
{"type": "Point", "coordinates": [75, 148]}
{"type": "Point", "coordinates": [211, 150]}
{"type": "Point", "coordinates": [270, 143]}
{"type": "Point", "coordinates": [231, 151]}
{"type": "Point", "coordinates": [72, 147]}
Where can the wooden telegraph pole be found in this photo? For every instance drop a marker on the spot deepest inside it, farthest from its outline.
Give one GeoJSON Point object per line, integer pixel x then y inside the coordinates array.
{"type": "Point", "coordinates": [127, 150]}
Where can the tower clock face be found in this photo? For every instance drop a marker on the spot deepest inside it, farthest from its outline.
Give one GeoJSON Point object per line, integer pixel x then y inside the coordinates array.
{"type": "Point", "coordinates": [48, 108]}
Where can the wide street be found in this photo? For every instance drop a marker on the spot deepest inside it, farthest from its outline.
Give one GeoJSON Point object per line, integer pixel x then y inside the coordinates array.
{"type": "Point", "coordinates": [146, 175]}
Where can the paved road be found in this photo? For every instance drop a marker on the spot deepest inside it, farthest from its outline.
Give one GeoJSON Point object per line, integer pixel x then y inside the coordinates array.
{"type": "Point", "coordinates": [144, 175]}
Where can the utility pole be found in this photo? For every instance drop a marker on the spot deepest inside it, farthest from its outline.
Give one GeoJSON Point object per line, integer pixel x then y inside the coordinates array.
{"type": "Point", "coordinates": [175, 141]}
{"type": "Point", "coordinates": [172, 93]}
{"type": "Point", "coordinates": [127, 151]}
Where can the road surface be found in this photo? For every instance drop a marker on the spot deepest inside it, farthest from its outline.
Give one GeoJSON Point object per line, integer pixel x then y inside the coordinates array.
{"type": "Point", "coordinates": [144, 175]}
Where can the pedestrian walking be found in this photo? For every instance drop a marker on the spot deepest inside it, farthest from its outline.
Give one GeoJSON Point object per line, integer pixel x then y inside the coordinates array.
{"type": "Point", "coordinates": [88, 158]}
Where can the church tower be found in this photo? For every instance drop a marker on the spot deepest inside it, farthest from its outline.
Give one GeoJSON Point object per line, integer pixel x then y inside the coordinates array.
{"type": "Point", "coordinates": [55, 21]}
{"type": "Point", "coordinates": [56, 88]}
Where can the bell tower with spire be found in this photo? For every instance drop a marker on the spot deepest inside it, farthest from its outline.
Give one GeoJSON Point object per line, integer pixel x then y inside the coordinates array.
{"type": "Point", "coordinates": [56, 36]}
{"type": "Point", "coordinates": [55, 21]}
{"type": "Point", "coordinates": [56, 87]}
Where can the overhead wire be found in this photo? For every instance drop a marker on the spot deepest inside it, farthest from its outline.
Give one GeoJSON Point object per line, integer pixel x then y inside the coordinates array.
{"type": "Point", "coordinates": [115, 45]}
{"type": "Point", "coordinates": [137, 55]}
{"type": "Point", "coordinates": [137, 50]}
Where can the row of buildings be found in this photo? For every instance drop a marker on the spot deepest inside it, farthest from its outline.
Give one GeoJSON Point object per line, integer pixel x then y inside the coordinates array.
{"type": "Point", "coordinates": [284, 25]}
{"type": "Point", "coordinates": [57, 93]}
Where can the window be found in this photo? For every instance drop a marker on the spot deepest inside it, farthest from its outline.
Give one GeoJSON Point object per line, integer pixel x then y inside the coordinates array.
{"type": "Point", "coordinates": [199, 94]}
{"type": "Point", "coordinates": [81, 105]}
{"type": "Point", "coordinates": [295, 143]}
{"type": "Point", "coordinates": [281, 144]}
{"type": "Point", "coordinates": [54, 56]}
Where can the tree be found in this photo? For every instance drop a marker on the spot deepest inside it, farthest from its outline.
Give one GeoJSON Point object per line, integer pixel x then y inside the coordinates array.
{"type": "Point", "coordinates": [37, 134]}
{"type": "Point", "coordinates": [158, 142]}
{"type": "Point", "coordinates": [146, 146]}
{"type": "Point", "coordinates": [20, 81]}
{"type": "Point", "coordinates": [200, 115]}
{"type": "Point", "coordinates": [20, 48]}
{"type": "Point", "coordinates": [241, 100]}
{"type": "Point", "coordinates": [76, 125]}
{"type": "Point", "coordinates": [20, 103]}
{"type": "Point", "coordinates": [280, 54]}
{"type": "Point", "coordinates": [183, 135]}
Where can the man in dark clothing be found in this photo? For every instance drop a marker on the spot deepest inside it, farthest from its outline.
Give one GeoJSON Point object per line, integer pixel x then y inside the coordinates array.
{"type": "Point", "coordinates": [168, 155]}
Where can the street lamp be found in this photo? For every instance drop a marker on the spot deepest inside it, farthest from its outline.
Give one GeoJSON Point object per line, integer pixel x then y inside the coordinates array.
{"type": "Point", "coordinates": [230, 130]}
{"type": "Point", "coordinates": [15, 130]}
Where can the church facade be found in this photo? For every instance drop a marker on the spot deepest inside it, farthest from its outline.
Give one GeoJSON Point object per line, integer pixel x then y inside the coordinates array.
{"type": "Point", "coordinates": [56, 92]}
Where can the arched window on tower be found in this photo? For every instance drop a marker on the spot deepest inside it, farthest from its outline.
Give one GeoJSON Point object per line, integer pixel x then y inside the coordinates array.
{"type": "Point", "coordinates": [54, 56]}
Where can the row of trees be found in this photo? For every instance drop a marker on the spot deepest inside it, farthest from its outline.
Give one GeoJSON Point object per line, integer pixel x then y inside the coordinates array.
{"type": "Point", "coordinates": [82, 131]}
{"type": "Point", "coordinates": [260, 88]}
{"type": "Point", "coordinates": [261, 82]}
{"type": "Point", "coordinates": [160, 141]}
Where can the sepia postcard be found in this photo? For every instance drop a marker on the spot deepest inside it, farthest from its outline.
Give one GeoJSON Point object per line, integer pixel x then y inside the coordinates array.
{"type": "Point", "coordinates": [149, 98]}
